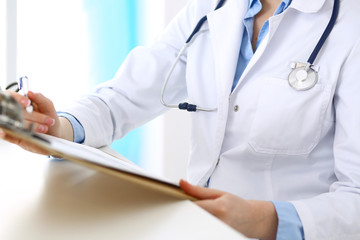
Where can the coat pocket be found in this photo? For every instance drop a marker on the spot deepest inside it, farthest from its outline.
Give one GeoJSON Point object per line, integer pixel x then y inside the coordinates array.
{"type": "Point", "coordinates": [288, 121]}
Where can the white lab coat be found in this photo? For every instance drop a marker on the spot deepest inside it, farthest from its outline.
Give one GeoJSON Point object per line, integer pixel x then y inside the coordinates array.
{"type": "Point", "coordinates": [281, 144]}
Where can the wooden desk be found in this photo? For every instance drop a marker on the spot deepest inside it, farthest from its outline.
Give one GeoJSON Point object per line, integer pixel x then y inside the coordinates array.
{"type": "Point", "coordinates": [43, 199]}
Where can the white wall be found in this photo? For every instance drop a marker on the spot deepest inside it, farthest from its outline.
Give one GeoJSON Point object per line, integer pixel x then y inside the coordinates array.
{"type": "Point", "coordinates": [169, 155]}
{"type": "Point", "coordinates": [56, 64]}
{"type": "Point", "coordinates": [8, 40]}
{"type": "Point", "coordinates": [176, 124]}
{"type": "Point", "coordinates": [2, 43]}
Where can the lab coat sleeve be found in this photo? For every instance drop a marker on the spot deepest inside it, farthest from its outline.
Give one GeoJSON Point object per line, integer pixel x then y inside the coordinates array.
{"type": "Point", "coordinates": [336, 214]}
{"type": "Point", "coordinates": [132, 97]}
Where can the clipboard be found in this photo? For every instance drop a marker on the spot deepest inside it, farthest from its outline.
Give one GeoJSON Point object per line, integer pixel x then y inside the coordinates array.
{"type": "Point", "coordinates": [100, 161]}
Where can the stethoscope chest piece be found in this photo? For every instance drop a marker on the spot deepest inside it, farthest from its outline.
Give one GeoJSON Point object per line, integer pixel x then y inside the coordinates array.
{"type": "Point", "coordinates": [302, 77]}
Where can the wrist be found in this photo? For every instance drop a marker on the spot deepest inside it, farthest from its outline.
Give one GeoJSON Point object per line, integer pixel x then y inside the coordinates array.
{"type": "Point", "coordinates": [65, 129]}
{"type": "Point", "coordinates": [267, 220]}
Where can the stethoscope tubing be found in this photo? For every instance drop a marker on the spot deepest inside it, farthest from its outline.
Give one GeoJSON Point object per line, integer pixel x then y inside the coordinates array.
{"type": "Point", "coordinates": [326, 33]}
{"type": "Point", "coordinates": [202, 21]}
{"type": "Point", "coordinates": [169, 75]}
{"type": "Point", "coordinates": [185, 105]}
{"type": "Point", "coordinates": [194, 108]}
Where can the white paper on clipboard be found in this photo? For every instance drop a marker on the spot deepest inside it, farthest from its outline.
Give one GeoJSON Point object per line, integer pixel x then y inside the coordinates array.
{"type": "Point", "coordinates": [102, 157]}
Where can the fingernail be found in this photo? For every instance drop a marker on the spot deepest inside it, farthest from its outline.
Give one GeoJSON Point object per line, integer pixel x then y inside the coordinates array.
{"type": "Point", "coordinates": [24, 102]}
{"type": "Point", "coordinates": [50, 121]}
{"type": "Point", "coordinates": [42, 128]}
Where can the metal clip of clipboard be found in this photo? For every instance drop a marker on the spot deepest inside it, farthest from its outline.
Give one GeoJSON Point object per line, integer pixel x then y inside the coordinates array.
{"type": "Point", "coordinates": [11, 113]}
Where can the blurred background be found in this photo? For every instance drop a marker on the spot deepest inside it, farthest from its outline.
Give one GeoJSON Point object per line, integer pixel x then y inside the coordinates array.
{"type": "Point", "coordinates": [66, 47]}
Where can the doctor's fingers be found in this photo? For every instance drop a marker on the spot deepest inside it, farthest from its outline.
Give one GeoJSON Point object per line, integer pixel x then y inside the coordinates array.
{"type": "Point", "coordinates": [199, 192]}
{"type": "Point", "coordinates": [36, 127]}
{"type": "Point", "coordinates": [42, 104]}
{"type": "Point", "coordinates": [39, 118]}
{"type": "Point", "coordinates": [38, 101]}
{"type": "Point", "coordinates": [214, 207]}
{"type": "Point", "coordinates": [22, 100]}
{"type": "Point", "coordinates": [38, 122]}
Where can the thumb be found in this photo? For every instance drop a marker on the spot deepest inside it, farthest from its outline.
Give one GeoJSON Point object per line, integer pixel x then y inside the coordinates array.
{"type": "Point", "coordinates": [43, 104]}
{"type": "Point", "coordinates": [199, 192]}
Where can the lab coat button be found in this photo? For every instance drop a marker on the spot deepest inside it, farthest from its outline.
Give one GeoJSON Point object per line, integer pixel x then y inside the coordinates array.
{"type": "Point", "coordinates": [236, 108]}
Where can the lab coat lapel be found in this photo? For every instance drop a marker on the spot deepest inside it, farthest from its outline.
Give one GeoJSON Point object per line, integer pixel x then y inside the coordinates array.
{"type": "Point", "coordinates": [306, 6]}
{"type": "Point", "coordinates": [274, 23]}
{"type": "Point", "coordinates": [226, 29]}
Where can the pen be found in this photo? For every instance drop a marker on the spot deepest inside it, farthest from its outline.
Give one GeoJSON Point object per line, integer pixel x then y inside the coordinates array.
{"type": "Point", "coordinates": [23, 85]}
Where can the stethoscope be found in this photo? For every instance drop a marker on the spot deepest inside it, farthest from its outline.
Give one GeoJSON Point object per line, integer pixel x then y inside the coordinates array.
{"type": "Point", "coordinates": [303, 76]}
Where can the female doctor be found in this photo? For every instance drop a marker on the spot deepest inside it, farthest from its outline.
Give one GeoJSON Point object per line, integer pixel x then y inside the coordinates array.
{"type": "Point", "coordinates": [275, 134]}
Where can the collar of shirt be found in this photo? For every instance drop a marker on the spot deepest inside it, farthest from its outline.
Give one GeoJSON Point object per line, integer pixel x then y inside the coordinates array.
{"type": "Point", "coordinates": [255, 7]}
{"type": "Point", "coordinates": [246, 50]}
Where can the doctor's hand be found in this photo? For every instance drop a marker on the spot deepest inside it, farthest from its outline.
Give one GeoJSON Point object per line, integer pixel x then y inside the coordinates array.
{"type": "Point", "coordinates": [43, 118]}
{"type": "Point", "coordinates": [254, 219]}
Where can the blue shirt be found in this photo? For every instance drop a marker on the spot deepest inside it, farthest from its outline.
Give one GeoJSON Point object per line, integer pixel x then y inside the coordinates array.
{"type": "Point", "coordinates": [289, 225]}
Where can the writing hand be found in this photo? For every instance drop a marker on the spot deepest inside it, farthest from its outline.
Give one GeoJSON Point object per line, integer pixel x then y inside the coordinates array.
{"type": "Point", "coordinates": [43, 118]}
